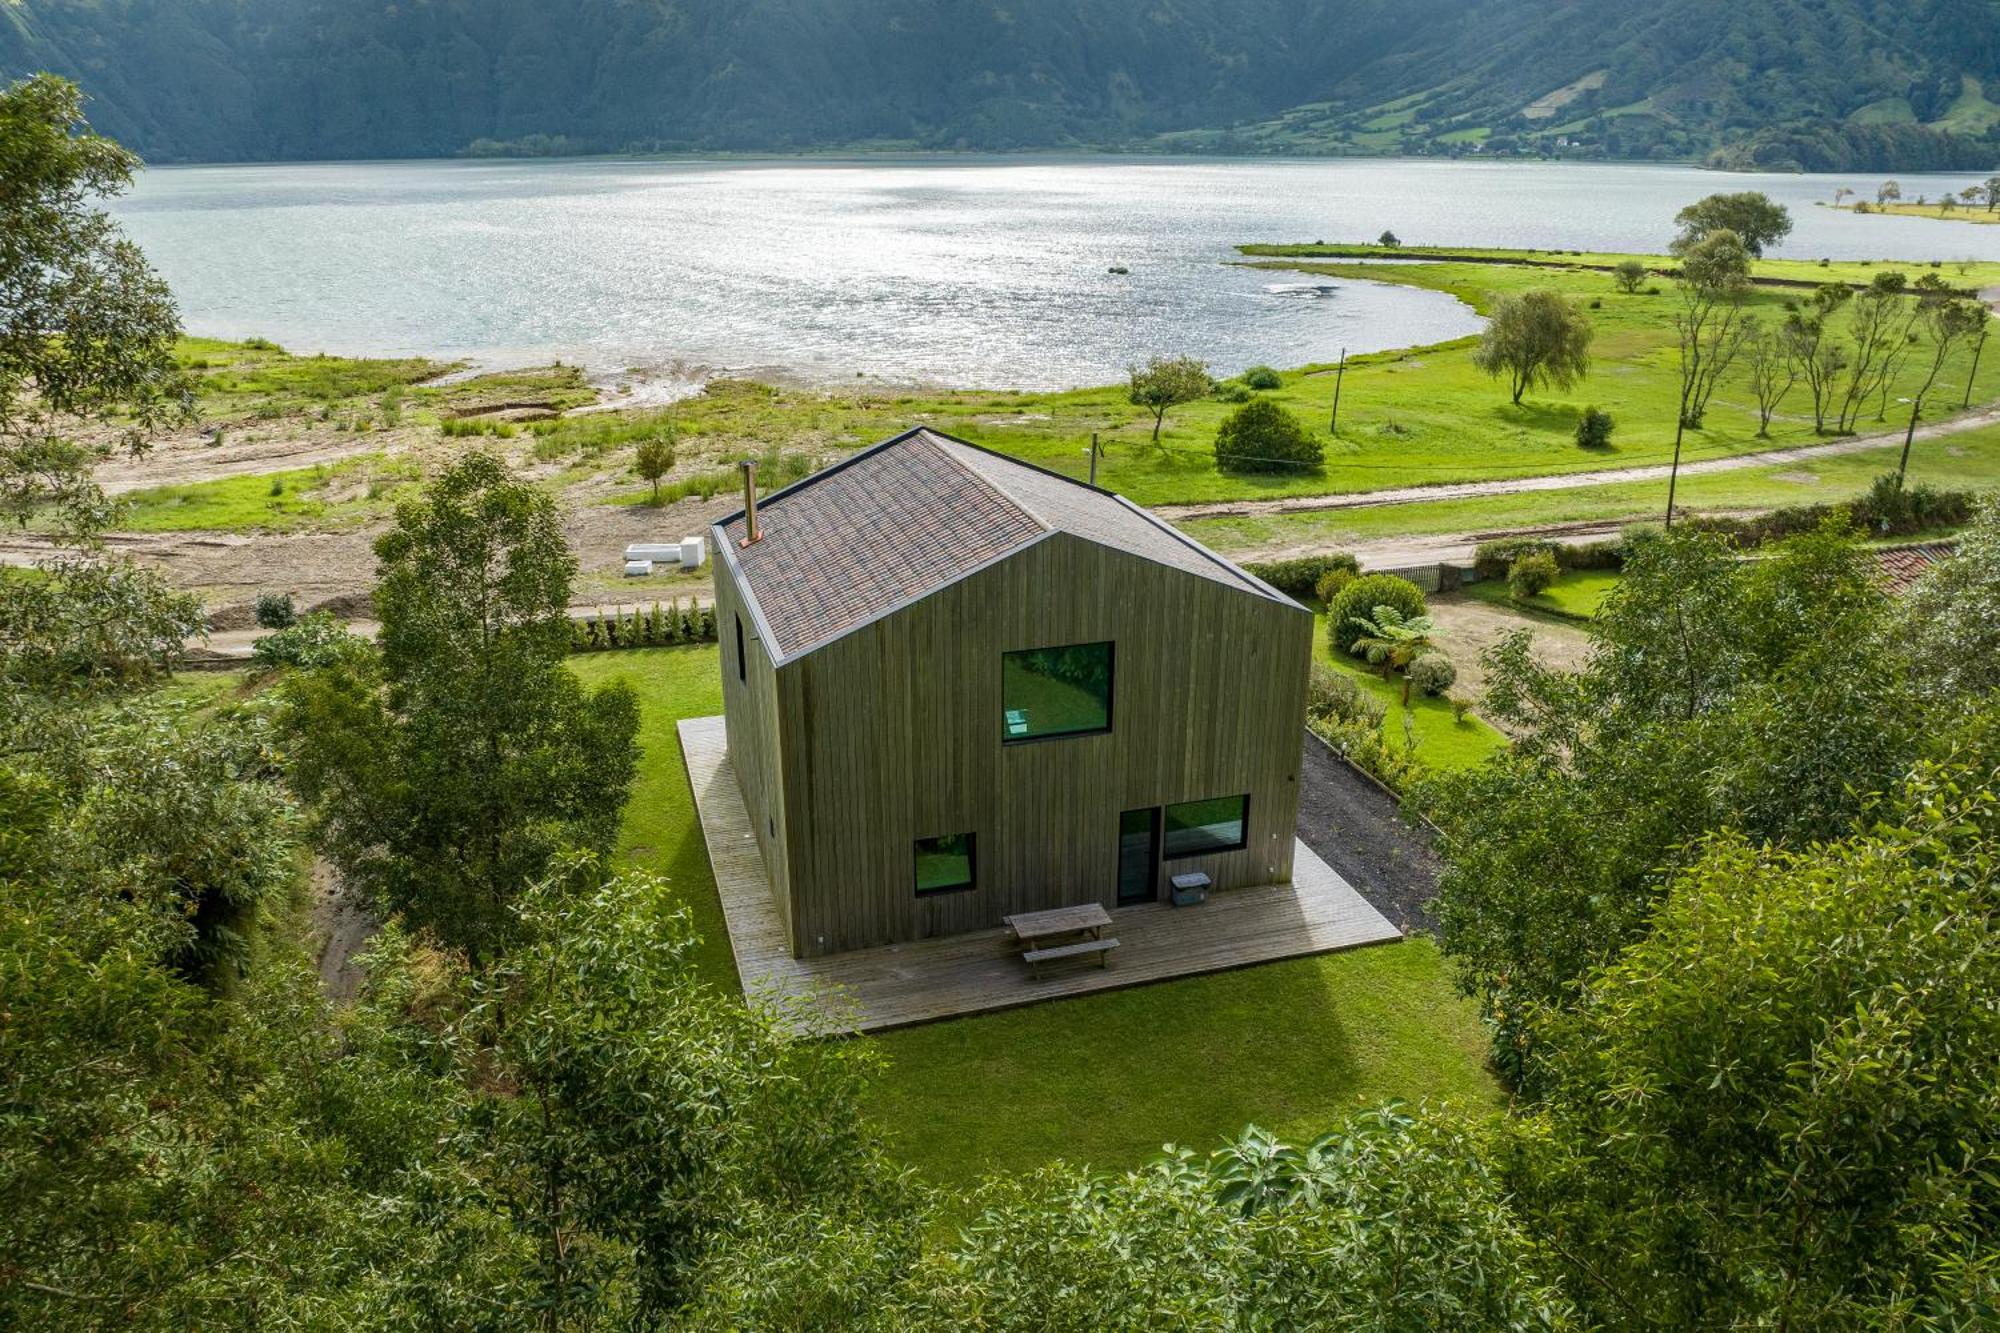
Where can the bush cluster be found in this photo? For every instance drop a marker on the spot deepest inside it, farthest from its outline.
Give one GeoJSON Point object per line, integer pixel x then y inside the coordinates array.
{"type": "Point", "coordinates": [314, 640]}
{"type": "Point", "coordinates": [1433, 673]}
{"type": "Point", "coordinates": [1358, 600]}
{"type": "Point", "coordinates": [1887, 510]}
{"type": "Point", "coordinates": [1262, 377]}
{"type": "Point", "coordinates": [1349, 719]}
{"type": "Point", "coordinates": [275, 610]}
{"type": "Point", "coordinates": [1531, 574]}
{"type": "Point", "coordinates": [1260, 436]}
{"type": "Point", "coordinates": [1492, 560]}
{"type": "Point", "coordinates": [1302, 576]}
{"type": "Point", "coordinates": [660, 626]}
{"type": "Point", "coordinates": [1593, 429]}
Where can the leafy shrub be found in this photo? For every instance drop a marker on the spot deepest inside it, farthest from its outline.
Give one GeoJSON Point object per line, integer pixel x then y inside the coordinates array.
{"type": "Point", "coordinates": [1433, 673]}
{"type": "Point", "coordinates": [316, 640]}
{"type": "Point", "coordinates": [1492, 559]}
{"type": "Point", "coordinates": [1357, 602]}
{"type": "Point", "coordinates": [1531, 574]}
{"type": "Point", "coordinates": [1260, 436]}
{"type": "Point", "coordinates": [275, 610]}
{"type": "Point", "coordinates": [1262, 377]}
{"type": "Point", "coordinates": [1302, 575]}
{"type": "Point", "coordinates": [1331, 582]}
{"type": "Point", "coordinates": [1630, 275]}
{"type": "Point", "coordinates": [1593, 429]}
{"type": "Point", "coordinates": [1887, 510]}
{"type": "Point", "coordinates": [1233, 393]}
{"type": "Point", "coordinates": [1349, 719]}
{"type": "Point", "coordinates": [1334, 694]}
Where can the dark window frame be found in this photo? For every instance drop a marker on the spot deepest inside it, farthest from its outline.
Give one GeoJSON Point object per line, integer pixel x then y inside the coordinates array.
{"type": "Point", "coordinates": [971, 865]}
{"type": "Point", "coordinates": [1167, 832]}
{"type": "Point", "coordinates": [1110, 647]}
{"type": "Point", "coordinates": [742, 662]}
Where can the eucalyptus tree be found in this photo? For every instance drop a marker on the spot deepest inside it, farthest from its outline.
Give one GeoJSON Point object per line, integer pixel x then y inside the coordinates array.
{"type": "Point", "coordinates": [1709, 328]}
{"type": "Point", "coordinates": [1164, 383]}
{"type": "Point", "coordinates": [1877, 330]}
{"type": "Point", "coordinates": [1776, 362]}
{"type": "Point", "coordinates": [1821, 356]}
{"type": "Point", "coordinates": [1754, 218]}
{"type": "Point", "coordinates": [1949, 323]}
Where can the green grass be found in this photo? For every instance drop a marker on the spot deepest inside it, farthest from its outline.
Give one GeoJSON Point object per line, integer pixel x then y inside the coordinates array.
{"type": "Point", "coordinates": [324, 496]}
{"type": "Point", "coordinates": [1968, 274]}
{"type": "Point", "coordinates": [262, 378]}
{"type": "Point", "coordinates": [1443, 742]}
{"type": "Point", "coordinates": [1976, 213]}
{"type": "Point", "coordinates": [1103, 1079]}
{"type": "Point", "coordinates": [1573, 596]}
{"type": "Point", "coordinates": [1970, 459]}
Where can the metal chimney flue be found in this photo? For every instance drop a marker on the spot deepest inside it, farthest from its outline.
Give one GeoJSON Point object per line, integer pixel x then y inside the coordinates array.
{"type": "Point", "coordinates": [751, 536]}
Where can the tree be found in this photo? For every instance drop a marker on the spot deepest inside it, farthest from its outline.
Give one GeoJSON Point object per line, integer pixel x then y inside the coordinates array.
{"type": "Point", "coordinates": [1392, 641]}
{"type": "Point", "coordinates": [1878, 331]}
{"type": "Point", "coordinates": [1260, 436]}
{"type": "Point", "coordinates": [1388, 240]}
{"type": "Point", "coordinates": [1950, 620]}
{"type": "Point", "coordinates": [1949, 322]}
{"type": "Point", "coordinates": [1970, 195]}
{"type": "Point", "coordinates": [654, 460]}
{"type": "Point", "coordinates": [1775, 358]}
{"type": "Point", "coordinates": [1630, 275]}
{"type": "Point", "coordinates": [1753, 218]}
{"type": "Point", "coordinates": [450, 768]}
{"type": "Point", "coordinates": [86, 341]}
{"type": "Point", "coordinates": [1768, 696]}
{"type": "Point", "coordinates": [1167, 382]}
{"type": "Point", "coordinates": [1714, 283]}
{"type": "Point", "coordinates": [1889, 192]}
{"type": "Point", "coordinates": [1991, 188]}
{"type": "Point", "coordinates": [1778, 1109]}
{"type": "Point", "coordinates": [1841, 195]}
{"type": "Point", "coordinates": [1594, 428]}
{"type": "Point", "coordinates": [1821, 357]}
{"type": "Point", "coordinates": [1535, 338]}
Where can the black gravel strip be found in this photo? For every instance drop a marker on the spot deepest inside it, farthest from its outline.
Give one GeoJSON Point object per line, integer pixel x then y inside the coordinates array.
{"type": "Point", "coordinates": [1357, 828]}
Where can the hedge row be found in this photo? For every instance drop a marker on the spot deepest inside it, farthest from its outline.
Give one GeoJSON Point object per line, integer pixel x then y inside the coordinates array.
{"type": "Point", "coordinates": [1300, 577]}
{"type": "Point", "coordinates": [659, 626]}
{"type": "Point", "coordinates": [1887, 510]}
{"type": "Point", "coordinates": [1493, 559]}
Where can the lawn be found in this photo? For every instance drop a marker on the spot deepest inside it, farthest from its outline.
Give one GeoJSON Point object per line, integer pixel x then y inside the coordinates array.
{"type": "Point", "coordinates": [1970, 459]}
{"type": "Point", "coordinates": [1103, 1079]}
{"type": "Point", "coordinates": [1969, 274]}
{"type": "Point", "coordinates": [1573, 596]}
{"type": "Point", "coordinates": [1442, 740]}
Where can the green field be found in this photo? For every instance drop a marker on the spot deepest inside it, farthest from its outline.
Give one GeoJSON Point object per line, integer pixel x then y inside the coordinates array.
{"type": "Point", "coordinates": [1967, 460]}
{"type": "Point", "coordinates": [1103, 1079]}
{"type": "Point", "coordinates": [1573, 596]}
{"type": "Point", "coordinates": [1968, 274]}
{"type": "Point", "coordinates": [1973, 213]}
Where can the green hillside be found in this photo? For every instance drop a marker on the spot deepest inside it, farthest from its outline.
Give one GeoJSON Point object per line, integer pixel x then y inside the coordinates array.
{"type": "Point", "coordinates": [1814, 84]}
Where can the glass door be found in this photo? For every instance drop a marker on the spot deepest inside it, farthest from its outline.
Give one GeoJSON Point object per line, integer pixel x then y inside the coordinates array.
{"type": "Point", "coordinates": [1138, 856]}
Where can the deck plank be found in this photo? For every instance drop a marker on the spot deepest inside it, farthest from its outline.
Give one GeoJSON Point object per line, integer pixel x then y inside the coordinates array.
{"type": "Point", "coordinates": [872, 990]}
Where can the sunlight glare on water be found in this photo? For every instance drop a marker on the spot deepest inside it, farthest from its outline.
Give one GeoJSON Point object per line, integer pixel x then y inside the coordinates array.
{"type": "Point", "coordinates": [979, 272]}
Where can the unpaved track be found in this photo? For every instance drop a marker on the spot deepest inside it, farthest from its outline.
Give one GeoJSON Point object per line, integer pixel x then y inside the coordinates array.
{"type": "Point", "coordinates": [1563, 481]}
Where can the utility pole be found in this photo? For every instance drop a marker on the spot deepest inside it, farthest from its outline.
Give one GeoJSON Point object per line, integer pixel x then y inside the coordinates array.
{"type": "Point", "coordinates": [1093, 458]}
{"type": "Point", "coordinates": [1338, 376]}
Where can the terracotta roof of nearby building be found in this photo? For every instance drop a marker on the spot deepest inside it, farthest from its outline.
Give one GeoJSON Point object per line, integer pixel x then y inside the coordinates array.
{"type": "Point", "coordinates": [1902, 566]}
{"type": "Point", "coordinates": [905, 518]}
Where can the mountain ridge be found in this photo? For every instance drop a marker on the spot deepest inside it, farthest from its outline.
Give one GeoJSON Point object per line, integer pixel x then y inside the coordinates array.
{"type": "Point", "coordinates": [1812, 84]}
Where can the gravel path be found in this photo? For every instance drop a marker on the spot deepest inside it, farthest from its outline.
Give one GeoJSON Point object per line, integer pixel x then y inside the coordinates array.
{"type": "Point", "coordinates": [1357, 828]}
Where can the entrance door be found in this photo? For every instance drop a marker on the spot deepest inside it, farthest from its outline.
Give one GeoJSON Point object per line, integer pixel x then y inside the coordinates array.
{"type": "Point", "coordinates": [1138, 856]}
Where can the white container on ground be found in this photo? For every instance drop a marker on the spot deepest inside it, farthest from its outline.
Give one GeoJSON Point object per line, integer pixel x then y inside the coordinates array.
{"type": "Point", "coordinates": [638, 569]}
{"type": "Point", "coordinates": [693, 551]}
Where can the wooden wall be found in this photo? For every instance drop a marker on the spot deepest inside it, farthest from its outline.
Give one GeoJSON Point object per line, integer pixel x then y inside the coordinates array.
{"type": "Point", "coordinates": [893, 733]}
{"type": "Point", "coordinates": [750, 716]}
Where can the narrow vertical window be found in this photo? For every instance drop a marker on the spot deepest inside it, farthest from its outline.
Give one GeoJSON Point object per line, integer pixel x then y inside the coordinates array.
{"type": "Point", "coordinates": [742, 671]}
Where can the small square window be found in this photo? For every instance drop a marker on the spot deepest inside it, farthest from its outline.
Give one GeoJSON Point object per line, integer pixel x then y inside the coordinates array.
{"type": "Point", "coordinates": [944, 864]}
{"type": "Point", "coordinates": [1199, 828]}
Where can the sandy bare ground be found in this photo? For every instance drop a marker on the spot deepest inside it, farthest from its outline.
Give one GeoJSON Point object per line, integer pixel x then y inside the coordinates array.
{"type": "Point", "coordinates": [343, 929]}
{"type": "Point", "coordinates": [1467, 628]}
{"type": "Point", "coordinates": [191, 456]}
{"type": "Point", "coordinates": [1562, 481]}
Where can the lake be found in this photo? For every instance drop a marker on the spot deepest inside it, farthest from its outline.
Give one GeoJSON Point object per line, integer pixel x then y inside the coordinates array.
{"type": "Point", "coordinates": [979, 272]}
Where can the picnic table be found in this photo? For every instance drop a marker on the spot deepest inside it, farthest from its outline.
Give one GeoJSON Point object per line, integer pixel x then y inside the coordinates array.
{"type": "Point", "coordinates": [1063, 932]}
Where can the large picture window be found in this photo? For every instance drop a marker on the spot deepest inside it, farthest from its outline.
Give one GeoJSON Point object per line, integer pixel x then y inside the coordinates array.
{"type": "Point", "coordinates": [1055, 692]}
{"type": "Point", "coordinates": [944, 864]}
{"type": "Point", "coordinates": [1198, 828]}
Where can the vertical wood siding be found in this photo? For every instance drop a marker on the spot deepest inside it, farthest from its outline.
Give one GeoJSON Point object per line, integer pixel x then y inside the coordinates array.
{"type": "Point", "coordinates": [750, 715]}
{"type": "Point", "coordinates": [893, 733]}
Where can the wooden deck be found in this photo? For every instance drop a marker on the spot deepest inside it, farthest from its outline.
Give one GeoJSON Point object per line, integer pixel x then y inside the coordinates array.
{"type": "Point", "coordinates": [871, 990]}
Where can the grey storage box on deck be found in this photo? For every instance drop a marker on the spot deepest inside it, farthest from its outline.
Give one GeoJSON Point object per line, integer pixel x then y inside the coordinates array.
{"type": "Point", "coordinates": [1190, 889]}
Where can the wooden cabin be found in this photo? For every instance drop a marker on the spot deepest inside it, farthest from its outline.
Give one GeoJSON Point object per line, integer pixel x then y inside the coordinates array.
{"type": "Point", "coordinates": [959, 687]}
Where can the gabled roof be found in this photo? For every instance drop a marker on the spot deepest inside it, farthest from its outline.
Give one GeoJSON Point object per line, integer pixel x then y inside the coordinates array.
{"type": "Point", "coordinates": [913, 514]}
{"type": "Point", "coordinates": [1899, 567]}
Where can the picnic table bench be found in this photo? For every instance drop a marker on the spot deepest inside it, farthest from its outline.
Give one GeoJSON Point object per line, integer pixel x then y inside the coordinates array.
{"type": "Point", "coordinates": [1046, 935]}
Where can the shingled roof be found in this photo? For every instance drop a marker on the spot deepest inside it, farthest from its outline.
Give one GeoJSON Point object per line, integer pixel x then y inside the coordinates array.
{"type": "Point", "coordinates": [910, 515]}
